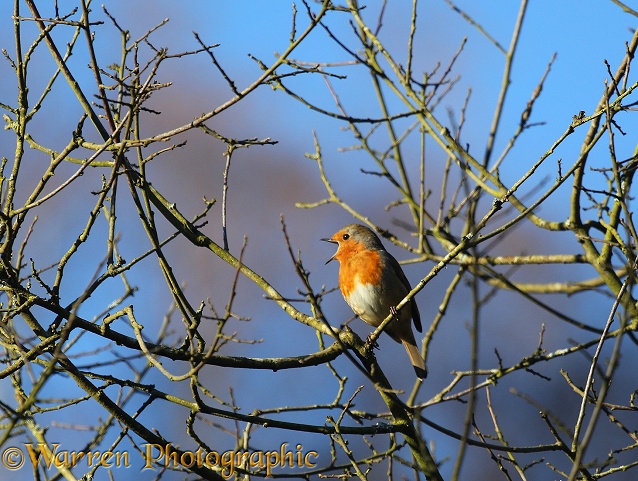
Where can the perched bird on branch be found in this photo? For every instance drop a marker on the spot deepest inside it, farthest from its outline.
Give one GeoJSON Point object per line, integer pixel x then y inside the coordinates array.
{"type": "Point", "coordinates": [373, 283]}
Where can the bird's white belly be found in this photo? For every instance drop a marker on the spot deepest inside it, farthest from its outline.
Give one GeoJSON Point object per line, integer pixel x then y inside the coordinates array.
{"type": "Point", "coordinates": [365, 301]}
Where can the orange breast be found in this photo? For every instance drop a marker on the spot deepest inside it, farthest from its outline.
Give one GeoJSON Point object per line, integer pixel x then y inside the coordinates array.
{"type": "Point", "coordinates": [363, 266]}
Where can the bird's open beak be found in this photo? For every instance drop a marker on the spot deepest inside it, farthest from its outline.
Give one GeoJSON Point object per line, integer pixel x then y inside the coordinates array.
{"type": "Point", "coordinates": [325, 239]}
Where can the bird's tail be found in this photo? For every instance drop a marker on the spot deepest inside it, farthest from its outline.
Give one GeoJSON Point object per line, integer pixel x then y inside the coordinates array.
{"type": "Point", "coordinates": [416, 359]}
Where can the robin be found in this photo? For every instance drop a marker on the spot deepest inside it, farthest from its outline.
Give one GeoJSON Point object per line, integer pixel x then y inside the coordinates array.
{"type": "Point", "coordinates": [373, 283]}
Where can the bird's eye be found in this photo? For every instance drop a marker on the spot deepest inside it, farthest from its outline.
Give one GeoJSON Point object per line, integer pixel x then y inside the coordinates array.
{"type": "Point", "coordinates": [346, 236]}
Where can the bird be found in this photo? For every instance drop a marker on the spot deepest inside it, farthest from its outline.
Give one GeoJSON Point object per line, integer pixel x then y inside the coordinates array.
{"type": "Point", "coordinates": [373, 283]}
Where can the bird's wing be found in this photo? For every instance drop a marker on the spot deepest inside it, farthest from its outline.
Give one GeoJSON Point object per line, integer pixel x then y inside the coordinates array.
{"type": "Point", "coordinates": [416, 317]}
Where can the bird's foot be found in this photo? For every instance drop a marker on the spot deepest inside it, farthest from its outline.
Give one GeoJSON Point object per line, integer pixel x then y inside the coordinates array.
{"type": "Point", "coordinates": [371, 343]}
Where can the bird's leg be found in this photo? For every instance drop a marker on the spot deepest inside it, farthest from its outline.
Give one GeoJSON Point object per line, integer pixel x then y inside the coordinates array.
{"type": "Point", "coordinates": [370, 344]}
